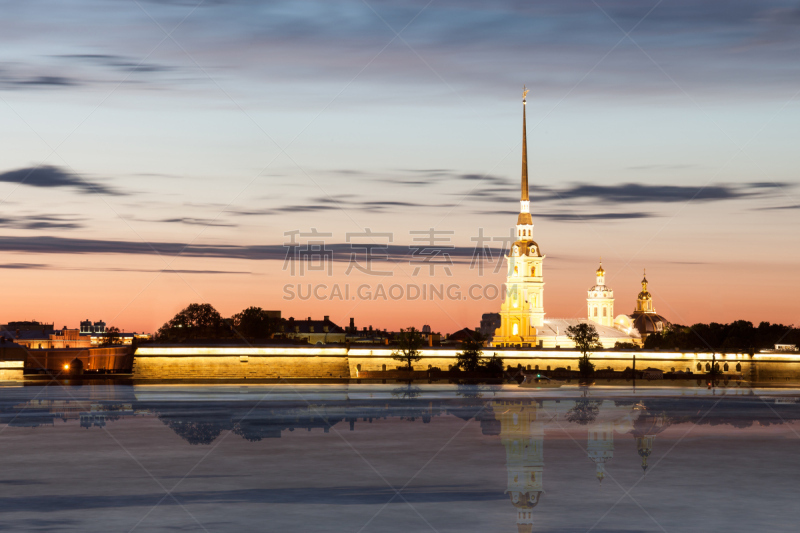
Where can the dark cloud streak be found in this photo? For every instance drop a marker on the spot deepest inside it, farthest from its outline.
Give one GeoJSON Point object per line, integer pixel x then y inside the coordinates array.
{"type": "Point", "coordinates": [631, 193]}
{"type": "Point", "coordinates": [43, 266]}
{"type": "Point", "coordinates": [40, 222]}
{"type": "Point", "coordinates": [340, 252]}
{"type": "Point", "coordinates": [575, 217]}
{"type": "Point", "coordinates": [53, 177]}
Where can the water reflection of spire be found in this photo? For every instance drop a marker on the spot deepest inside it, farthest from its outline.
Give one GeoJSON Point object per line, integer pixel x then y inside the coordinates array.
{"type": "Point", "coordinates": [645, 429]}
{"type": "Point", "coordinates": [610, 418]}
{"type": "Point", "coordinates": [522, 434]}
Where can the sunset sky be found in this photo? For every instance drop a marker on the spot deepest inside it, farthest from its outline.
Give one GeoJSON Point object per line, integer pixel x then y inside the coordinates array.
{"type": "Point", "coordinates": [157, 153]}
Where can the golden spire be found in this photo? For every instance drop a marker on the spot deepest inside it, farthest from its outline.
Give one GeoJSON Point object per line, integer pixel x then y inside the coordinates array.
{"type": "Point", "coordinates": [524, 148]}
{"type": "Point", "coordinates": [524, 217]}
{"type": "Point", "coordinates": [600, 270]}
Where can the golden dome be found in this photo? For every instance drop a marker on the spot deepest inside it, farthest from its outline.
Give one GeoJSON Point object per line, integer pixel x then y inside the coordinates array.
{"type": "Point", "coordinates": [600, 270]}
{"type": "Point", "coordinates": [644, 295]}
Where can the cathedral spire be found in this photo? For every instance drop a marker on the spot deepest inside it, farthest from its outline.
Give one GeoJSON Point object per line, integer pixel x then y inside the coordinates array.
{"type": "Point", "coordinates": [524, 149]}
{"type": "Point", "coordinates": [525, 204]}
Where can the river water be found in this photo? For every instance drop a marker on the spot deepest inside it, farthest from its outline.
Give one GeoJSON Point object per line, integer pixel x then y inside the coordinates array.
{"type": "Point", "coordinates": [397, 458]}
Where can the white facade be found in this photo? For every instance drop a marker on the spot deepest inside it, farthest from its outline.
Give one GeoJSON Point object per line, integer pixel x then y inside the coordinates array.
{"type": "Point", "coordinates": [600, 302]}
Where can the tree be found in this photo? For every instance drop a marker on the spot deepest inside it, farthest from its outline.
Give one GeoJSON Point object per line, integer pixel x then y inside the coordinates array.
{"type": "Point", "coordinates": [111, 337]}
{"type": "Point", "coordinates": [254, 323]}
{"type": "Point", "coordinates": [584, 411]}
{"type": "Point", "coordinates": [625, 346]}
{"type": "Point", "coordinates": [493, 365]}
{"type": "Point", "coordinates": [585, 337]}
{"type": "Point", "coordinates": [196, 321]}
{"type": "Point", "coordinates": [469, 358]}
{"type": "Point", "coordinates": [409, 341]}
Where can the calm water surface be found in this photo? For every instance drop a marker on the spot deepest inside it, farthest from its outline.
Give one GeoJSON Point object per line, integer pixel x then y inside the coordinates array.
{"type": "Point", "coordinates": [397, 458]}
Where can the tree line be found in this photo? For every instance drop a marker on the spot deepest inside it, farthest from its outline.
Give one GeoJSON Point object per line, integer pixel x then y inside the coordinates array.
{"type": "Point", "coordinates": [203, 322]}
{"type": "Point", "coordinates": [738, 336]}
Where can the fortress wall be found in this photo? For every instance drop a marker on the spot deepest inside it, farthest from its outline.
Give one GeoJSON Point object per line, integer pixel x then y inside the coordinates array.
{"type": "Point", "coordinates": [239, 367]}
{"type": "Point", "coordinates": [11, 370]}
{"type": "Point", "coordinates": [666, 361]}
{"type": "Point", "coordinates": [155, 362]}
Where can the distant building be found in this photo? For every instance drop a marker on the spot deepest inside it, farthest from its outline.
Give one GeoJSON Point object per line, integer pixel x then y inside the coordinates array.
{"type": "Point", "coordinates": [48, 340]}
{"type": "Point", "coordinates": [315, 331]}
{"type": "Point", "coordinates": [89, 327]}
{"type": "Point", "coordinates": [489, 323]}
{"type": "Point", "coordinates": [27, 325]}
{"type": "Point", "coordinates": [365, 335]}
{"type": "Point", "coordinates": [785, 347]}
{"type": "Point", "coordinates": [38, 336]}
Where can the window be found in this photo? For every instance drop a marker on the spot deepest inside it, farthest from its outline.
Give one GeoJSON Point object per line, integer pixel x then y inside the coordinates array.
{"type": "Point", "coordinates": [605, 312]}
{"type": "Point", "coordinates": [515, 329]}
{"type": "Point", "coordinates": [738, 367]}
{"type": "Point", "coordinates": [383, 368]}
{"type": "Point", "coordinates": [595, 311]}
{"type": "Point", "coordinates": [358, 367]}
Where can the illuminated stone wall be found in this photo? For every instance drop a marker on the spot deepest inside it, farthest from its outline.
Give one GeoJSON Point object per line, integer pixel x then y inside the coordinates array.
{"type": "Point", "coordinates": [11, 370]}
{"type": "Point", "coordinates": [552, 359]}
{"type": "Point", "coordinates": [240, 363]}
{"type": "Point", "coordinates": [155, 362]}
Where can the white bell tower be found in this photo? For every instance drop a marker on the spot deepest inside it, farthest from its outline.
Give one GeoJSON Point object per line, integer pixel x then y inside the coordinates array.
{"type": "Point", "coordinates": [600, 301]}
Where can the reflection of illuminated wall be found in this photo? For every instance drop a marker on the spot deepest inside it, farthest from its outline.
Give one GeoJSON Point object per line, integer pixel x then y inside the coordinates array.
{"type": "Point", "coordinates": [522, 434]}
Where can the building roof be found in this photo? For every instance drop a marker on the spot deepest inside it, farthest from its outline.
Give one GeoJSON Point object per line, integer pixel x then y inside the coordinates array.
{"type": "Point", "coordinates": [558, 326]}
{"type": "Point", "coordinates": [648, 323]}
{"type": "Point", "coordinates": [462, 335]}
{"type": "Point", "coordinates": [305, 326]}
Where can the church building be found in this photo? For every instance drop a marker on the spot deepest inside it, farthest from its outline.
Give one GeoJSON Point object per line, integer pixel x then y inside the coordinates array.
{"type": "Point", "coordinates": [522, 316]}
